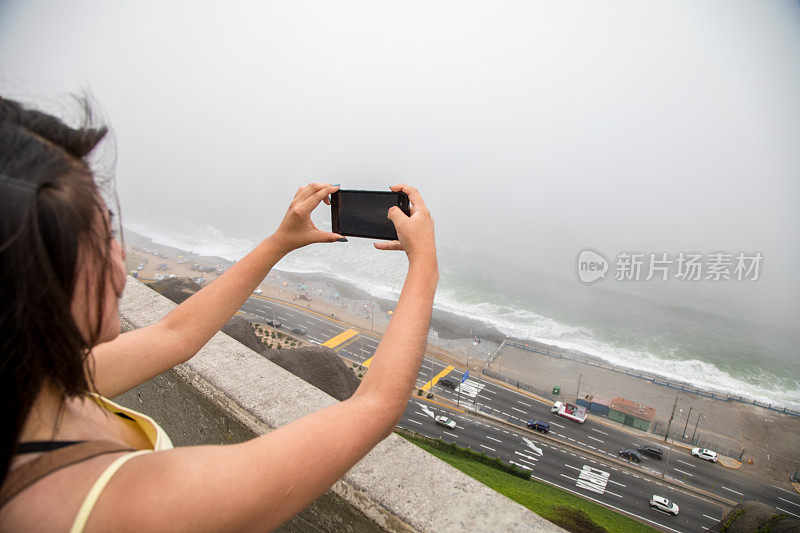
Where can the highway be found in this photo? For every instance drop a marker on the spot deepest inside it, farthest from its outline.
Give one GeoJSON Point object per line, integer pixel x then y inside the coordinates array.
{"type": "Point", "coordinates": [580, 458]}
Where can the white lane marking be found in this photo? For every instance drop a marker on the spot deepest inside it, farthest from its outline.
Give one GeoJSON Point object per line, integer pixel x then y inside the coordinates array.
{"type": "Point", "coordinates": [505, 413]}
{"type": "Point", "coordinates": [519, 410]}
{"type": "Point", "coordinates": [532, 446]}
{"type": "Point", "coordinates": [785, 511]}
{"type": "Point", "coordinates": [711, 517]}
{"type": "Point", "coordinates": [494, 439]}
{"type": "Point", "coordinates": [525, 404]}
{"type": "Point", "coordinates": [789, 501]}
{"type": "Point", "coordinates": [592, 447]}
{"type": "Point", "coordinates": [526, 456]}
{"type": "Point", "coordinates": [521, 466]}
{"type": "Point", "coordinates": [489, 391]}
{"type": "Point", "coordinates": [570, 438]}
{"type": "Point", "coordinates": [601, 432]}
{"type": "Point", "coordinates": [482, 446]}
{"type": "Point", "coordinates": [704, 527]}
{"type": "Point", "coordinates": [557, 425]}
{"type": "Point", "coordinates": [582, 495]}
{"type": "Point", "coordinates": [684, 462]}
{"type": "Point", "coordinates": [734, 491]}
{"type": "Point", "coordinates": [687, 473]}
{"type": "Point", "coordinates": [451, 434]}
{"type": "Point", "coordinates": [593, 438]}
{"type": "Point", "coordinates": [784, 490]}
{"type": "Point", "coordinates": [414, 421]}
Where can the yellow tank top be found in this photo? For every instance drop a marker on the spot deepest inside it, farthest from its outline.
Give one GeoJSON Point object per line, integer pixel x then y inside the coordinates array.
{"type": "Point", "coordinates": [155, 434]}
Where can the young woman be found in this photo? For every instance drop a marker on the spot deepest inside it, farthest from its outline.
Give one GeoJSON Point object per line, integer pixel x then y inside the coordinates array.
{"type": "Point", "coordinates": [70, 458]}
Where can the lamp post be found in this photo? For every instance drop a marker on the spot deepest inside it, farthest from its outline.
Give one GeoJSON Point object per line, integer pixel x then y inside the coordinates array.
{"type": "Point", "coordinates": [686, 425]}
{"type": "Point", "coordinates": [671, 416]}
{"type": "Point", "coordinates": [696, 424]}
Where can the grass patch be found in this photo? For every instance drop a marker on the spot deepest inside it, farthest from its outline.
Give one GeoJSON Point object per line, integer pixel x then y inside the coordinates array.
{"type": "Point", "coordinates": [560, 507]}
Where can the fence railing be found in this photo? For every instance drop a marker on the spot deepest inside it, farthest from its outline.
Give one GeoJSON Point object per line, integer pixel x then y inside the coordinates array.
{"type": "Point", "coordinates": [642, 375]}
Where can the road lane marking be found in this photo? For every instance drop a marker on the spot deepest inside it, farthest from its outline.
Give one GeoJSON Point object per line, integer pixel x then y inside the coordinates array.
{"type": "Point", "coordinates": [785, 511]}
{"type": "Point", "coordinates": [414, 421]}
{"type": "Point", "coordinates": [734, 491]}
{"type": "Point", "coordinates": [711, 517]}
{"type": "Point", "coordinates": [534, 459]}
{"type": "Point", "coordinates": [340, 338]}
{"type": "Point", "coordinates": [489, 391]}
{"type": "Point", "coordinates": [789, 501]}
{"type": "Point", "coordinates": [557, 425]}
{"type": "Point", "coordinates": [522, 466]}
{"type": "Point", "coordinates": [482, 446]}
{"type": "Point", "coordinates": [494, 439]}
{"type": "Point", "coordinates": [367, 362]}
{"type": "Point", "coordinates": [519, 410]}
{"type": "Point", "coordinates": [601, 432]}
{"type": "Point", "coordinates": [437, 377]}
{"type": "Point", "coordinates": [684, 462]}
{"type": "Point", "coordinates": [570, 438]}
{"type": "Point", "coordinates": [451, 434]}
{"type": "Point", "coordinates": [593, 438]}
{"type": "Point", "coordinates": [690, 475]}
{"type": "Point", "coordinates": [525, 404]}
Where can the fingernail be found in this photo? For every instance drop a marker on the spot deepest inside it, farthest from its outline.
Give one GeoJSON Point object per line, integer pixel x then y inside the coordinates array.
{"type": "Point", "coordinates": [343, 239]}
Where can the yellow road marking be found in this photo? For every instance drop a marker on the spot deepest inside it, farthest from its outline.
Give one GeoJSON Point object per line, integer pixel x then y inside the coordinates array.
{"type": "Point", "coordinates": [437, 377]}
{"type": "Point", "coordinates": [340, 338]}
{"type": "Point", "coordinates": [367, 362]}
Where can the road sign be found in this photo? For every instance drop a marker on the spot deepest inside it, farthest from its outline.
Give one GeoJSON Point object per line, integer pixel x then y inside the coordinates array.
{"type": "Point", "coordinates": [464, 376]}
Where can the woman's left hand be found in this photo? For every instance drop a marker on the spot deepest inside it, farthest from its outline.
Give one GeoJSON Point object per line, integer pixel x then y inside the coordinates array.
{"type": "Point", "coordinates": [296, 230]}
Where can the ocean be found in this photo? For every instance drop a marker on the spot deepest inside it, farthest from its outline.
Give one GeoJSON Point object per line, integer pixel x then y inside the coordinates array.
{"type": "Point", "coordinates": [708, 335]}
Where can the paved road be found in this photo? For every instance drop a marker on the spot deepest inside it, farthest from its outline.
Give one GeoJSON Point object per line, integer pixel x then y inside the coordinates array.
{"type": "Point", "coordinates": [572, 453]}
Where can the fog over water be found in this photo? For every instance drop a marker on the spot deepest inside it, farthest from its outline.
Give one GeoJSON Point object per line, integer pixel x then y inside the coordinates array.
{"type": "Point", "coordinates": [533, 129]}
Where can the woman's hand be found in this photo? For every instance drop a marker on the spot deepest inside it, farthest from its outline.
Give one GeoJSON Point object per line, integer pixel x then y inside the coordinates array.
{"type": "Point", "coordinates": [415, 232]}
{"type": "Point", "coordinates": [296, 230]}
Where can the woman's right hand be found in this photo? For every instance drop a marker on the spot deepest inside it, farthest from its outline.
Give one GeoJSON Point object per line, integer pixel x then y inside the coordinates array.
{"type": "Point", "coordinates": [415, 232]}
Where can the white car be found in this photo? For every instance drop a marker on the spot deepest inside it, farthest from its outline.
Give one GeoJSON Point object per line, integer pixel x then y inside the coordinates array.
{"type": "Point", "coordinates": [444, 421]}
{"type": "Point", "coordinates": [703, 453]}
{"type": "Point", "coordinates": [663, 504]}
{"type": "Point", "coordinates": [257, 291]}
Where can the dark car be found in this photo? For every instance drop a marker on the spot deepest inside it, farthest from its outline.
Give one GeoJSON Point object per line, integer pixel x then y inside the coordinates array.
{"type": "Point", "coordinates": [274, 323]}
{"type": "Point", "coordinates": [299, 331]}
{"type": "Point", "coordinates": [633, 455]}
{"type": "Point", "coordinates": [652, 451]}
{"type": "Point", "coordinates": [538, 425]}
{"type": "Point", "coordinates": [447, 382]}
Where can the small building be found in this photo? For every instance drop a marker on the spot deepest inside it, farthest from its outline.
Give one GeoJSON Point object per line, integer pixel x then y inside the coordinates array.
{"type": "Point", "coordinates": [631, 413]}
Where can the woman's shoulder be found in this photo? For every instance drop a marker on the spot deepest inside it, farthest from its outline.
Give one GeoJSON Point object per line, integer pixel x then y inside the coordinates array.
{"type": "Point", "coordinates": [52, 502]}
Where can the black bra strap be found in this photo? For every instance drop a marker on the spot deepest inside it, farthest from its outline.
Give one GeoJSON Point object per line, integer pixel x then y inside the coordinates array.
{"type": "Point", "coordinates": [39, 446]}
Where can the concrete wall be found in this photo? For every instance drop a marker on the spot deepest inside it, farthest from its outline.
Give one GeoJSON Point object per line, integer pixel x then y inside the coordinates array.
{"type": "Point", "coordinates": [227, 393]}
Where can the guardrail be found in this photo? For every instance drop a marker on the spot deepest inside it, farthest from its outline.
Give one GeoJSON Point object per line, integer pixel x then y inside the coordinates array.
{"type": "Point", "coordinates": [641, 375]}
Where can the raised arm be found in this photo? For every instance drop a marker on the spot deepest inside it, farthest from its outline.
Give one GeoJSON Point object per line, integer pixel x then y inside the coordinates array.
{"type": "Point", "coordinates": [259, 484]}
{"type": "Point", "coordinates": [134, 357]}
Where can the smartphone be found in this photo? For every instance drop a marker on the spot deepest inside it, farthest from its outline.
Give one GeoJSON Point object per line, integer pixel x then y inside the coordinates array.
{"type": "Point", "coordinates": [363, 213]}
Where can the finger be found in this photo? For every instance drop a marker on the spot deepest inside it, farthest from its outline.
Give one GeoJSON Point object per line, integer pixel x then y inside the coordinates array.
{"type": "Point", "coordinates": [313, 201]}
{"type": "Point", "coordinates": [310, 190]}
{"type": "Point", "coordinates": [325, 236]}
{"type": "Point", "coordinates": [413, 194]}
{"type": "Point", "coordinates": [396, 215]}
{"type": "Point", "coordinates": [300, 190]}
{"type": "Point", "coordinates": [388, 245]}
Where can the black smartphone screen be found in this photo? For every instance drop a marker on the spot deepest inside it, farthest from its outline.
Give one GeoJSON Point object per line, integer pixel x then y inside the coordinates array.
{"type": "Point", "coordinates": [363, 213]}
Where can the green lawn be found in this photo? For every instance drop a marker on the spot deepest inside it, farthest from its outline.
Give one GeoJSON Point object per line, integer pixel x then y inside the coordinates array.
{"type": "Point", "coordinates": [560, 507]}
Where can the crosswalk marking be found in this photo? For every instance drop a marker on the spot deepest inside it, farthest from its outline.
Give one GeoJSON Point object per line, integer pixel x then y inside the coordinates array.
{"type": "Point", "coordinates": [340, 338]}
{"type": "Point", "coordinates": [470, 388]}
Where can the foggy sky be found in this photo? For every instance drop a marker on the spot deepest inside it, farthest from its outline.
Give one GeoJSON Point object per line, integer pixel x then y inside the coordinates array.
{"type": "Point", "coordinates": [534, 128]}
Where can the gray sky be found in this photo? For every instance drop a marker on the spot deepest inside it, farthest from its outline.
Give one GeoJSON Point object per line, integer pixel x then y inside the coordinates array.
{"type": "Point", "coordinates": [537, 128]}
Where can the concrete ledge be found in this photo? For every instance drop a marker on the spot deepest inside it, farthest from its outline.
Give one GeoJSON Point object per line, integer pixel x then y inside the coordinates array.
{"type": "Point", "coordinates": [228, 393]}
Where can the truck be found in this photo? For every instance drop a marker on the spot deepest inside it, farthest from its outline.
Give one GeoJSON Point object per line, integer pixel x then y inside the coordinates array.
{"type": "Point", "coordinates": [569, 410]}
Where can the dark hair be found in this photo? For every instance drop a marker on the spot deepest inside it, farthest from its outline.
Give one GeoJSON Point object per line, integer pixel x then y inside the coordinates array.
{"type": "Point", "coordinates": [50, 206]}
